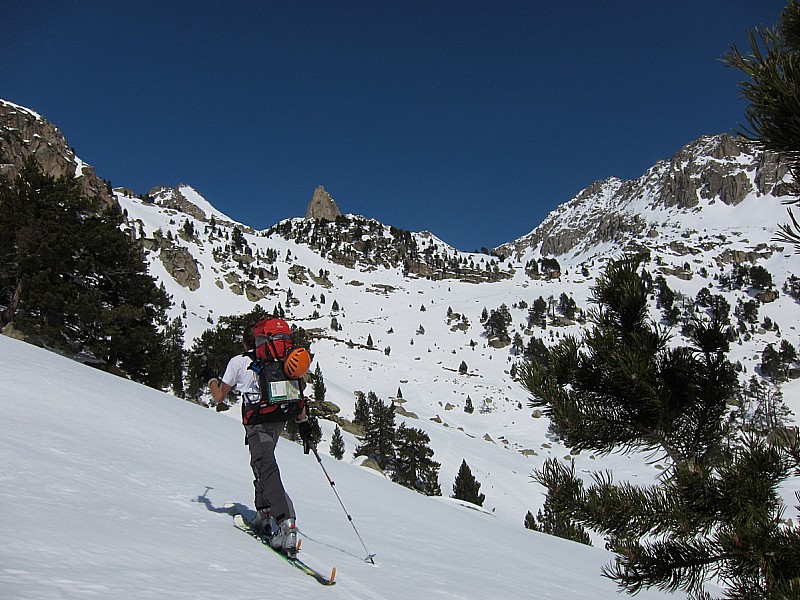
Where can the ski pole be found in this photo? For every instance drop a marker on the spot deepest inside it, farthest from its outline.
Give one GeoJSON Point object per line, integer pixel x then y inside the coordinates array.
{"type": "Point", "coordinates": [370, 557]}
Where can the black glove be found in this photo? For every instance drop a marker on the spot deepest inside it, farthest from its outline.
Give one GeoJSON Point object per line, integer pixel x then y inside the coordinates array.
{"type": "Point", "coordinates": [305, 432]}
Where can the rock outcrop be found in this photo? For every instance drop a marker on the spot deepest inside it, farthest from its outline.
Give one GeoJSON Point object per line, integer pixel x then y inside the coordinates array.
{"type": "Point", "coordinates": [24, 133]}
{"type": "Point", "coordinates": [322, 206]}
{"type": "Point", "coordinates": [177, 260]}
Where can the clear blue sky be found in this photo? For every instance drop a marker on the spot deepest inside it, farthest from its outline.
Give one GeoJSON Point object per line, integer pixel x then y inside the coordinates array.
{"type": "Point", "coordinates": [469, 119]}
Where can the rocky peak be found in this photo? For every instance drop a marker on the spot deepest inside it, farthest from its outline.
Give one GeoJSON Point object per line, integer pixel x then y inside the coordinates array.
{"type": "Point", "coordinates": [173, 198]}
{"type": "Point", "coordinates": [712, 169]}
{"type": "Point", "coordinates": [322, 206]}
{"type": "Point", "coordinates": [24, 133]}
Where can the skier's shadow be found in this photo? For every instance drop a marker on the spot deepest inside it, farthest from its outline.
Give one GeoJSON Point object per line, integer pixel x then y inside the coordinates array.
{"type": "Point", "coordinates": [229, 508]}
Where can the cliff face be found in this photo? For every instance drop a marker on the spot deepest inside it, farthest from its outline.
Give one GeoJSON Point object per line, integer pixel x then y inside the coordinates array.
{"type": "Point", "coordinates": [24, 133]}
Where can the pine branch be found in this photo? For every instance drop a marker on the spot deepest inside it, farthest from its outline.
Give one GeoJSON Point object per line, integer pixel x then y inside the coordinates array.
{"type": "Point", "coordinates": [668, 565]}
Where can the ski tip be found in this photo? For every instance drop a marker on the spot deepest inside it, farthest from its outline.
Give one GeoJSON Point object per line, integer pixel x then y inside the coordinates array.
{"type": "Point", "coordinates": [332, 578]}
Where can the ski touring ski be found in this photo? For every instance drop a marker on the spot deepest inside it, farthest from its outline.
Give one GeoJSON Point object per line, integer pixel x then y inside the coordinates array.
{"type": "Point", "coordinates": [241, 523]}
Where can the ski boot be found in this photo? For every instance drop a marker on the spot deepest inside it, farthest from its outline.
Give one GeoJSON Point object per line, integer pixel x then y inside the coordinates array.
{"type": "Point", "coordinates": [285, 539]}
{"type": "Point", "coordinates": [262, 524]}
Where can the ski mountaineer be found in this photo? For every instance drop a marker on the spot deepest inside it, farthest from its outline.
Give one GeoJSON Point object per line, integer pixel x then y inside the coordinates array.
{"type": "Point", "coordinates": [271, 499]}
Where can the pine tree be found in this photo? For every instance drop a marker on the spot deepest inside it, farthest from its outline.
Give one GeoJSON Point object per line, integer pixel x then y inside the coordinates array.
{"type": "Point", "coordinates": [175, 355]}
{"type": "Point", "coordinates": [337, 444]}
{"type": "Point", "coordinates": [553, 519]}
{"type": "Point", "coordinates": [319, 385]}
{"type": "Point", "coordinates": [413, 465]}
{"type": "Point", "coordinates": [530, 521]}
{"type": "Point", "coordinates": [466, 487]}
{"type": "Point", "coordinates": [773, 89]}
{"type": "Point", "coordinates": [655, 397]}
{"type": "Point", "coordinates": [723, 521]}
{"type": "Point", "coordinates": [378, 442]}
{"type": "Point", "coordinates": [72, 279]}
{"type": "Point", "coordinates": [567, 306]}
{"type": "Point", "coordinates": [496, 325]}
{"type": "Point", "coordinates": [537, 315]}
{"type": "Point", "coordinates": [361, 413]}
{"type": "Point", "coordinates": [717, 510]}
{"type": "Point", "coordinates": [468, 407]}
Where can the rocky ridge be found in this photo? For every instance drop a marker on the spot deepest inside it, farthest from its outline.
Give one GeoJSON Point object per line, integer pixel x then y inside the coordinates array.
{"type": "Point", "coordinates": [631, 214]}
{"type": "Point", "coordinates": [24, 133]}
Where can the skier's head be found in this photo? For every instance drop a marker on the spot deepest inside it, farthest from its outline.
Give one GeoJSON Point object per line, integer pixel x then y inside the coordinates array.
{"type": "Point", "coordinates": [249, 336]}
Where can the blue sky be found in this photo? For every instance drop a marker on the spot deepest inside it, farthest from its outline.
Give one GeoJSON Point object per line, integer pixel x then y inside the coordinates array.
{"type": "Point", "coordinates": [469, 119]}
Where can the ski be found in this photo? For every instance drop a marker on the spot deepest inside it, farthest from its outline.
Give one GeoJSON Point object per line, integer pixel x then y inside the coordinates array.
{"type": "Point", "coordinates": [241, 523]}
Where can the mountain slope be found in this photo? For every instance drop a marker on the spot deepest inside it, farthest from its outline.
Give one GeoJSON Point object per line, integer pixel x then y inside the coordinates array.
{"type": "Point", "coordinates": [116, 490]}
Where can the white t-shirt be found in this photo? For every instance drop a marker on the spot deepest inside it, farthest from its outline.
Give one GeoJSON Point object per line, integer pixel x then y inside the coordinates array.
{"type": "Point", "coordinates": [238, 376]}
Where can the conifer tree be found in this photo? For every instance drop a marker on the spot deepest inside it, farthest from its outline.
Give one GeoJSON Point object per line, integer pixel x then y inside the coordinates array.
{"type": "Point", "coordinates": [414, 466]}
{"type": "Point", "coordinates": [553, 519]}
{"type": "Point", "coordinates": [717, 510]}
{"type": "Point", "coordinates": [723, 521]}
{"type": "Point", "coordinates": [496, 325]}
{"type": "Point", "coordinates": [378, 442]}
{"type": "Point", "coordinates": [530, 521]}
{"type": "Point", "coordinates": [210, 353]}
{"type": "Point", "coordinates": [537, 315]}
{"type": "Point", "coordinates": [337, 444]}
{"type": "Point", "coordinates": [361, 413]}
{"type": "Point", "coordinates": [319, 385]}
{"type": "Point", "coordinates": [468, 406]}
{"type": "Point", "coordinates": [71, 278]}
{"type": "Point", "coordinates": [773, 90]}
{"type": "Point", "coordinates": [175, 355]}
{"type": "Point", "coordinates": [656, 397]}
{"type": "Point", "coordinates": [466, 487]}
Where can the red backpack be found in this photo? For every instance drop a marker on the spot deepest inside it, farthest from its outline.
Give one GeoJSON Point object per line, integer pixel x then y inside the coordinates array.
{"type": "Point", "coordinates": [273, 339]}
{"type": "Point", "coordinates": [280, 398]}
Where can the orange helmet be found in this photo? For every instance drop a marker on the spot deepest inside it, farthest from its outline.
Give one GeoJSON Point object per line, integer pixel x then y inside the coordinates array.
{"type": "Point", "coordinates": [297, 363]}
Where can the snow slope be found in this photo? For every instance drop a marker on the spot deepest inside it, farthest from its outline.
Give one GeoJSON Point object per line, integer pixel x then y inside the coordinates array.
{"type": "Point", "coordinates": [113, 490]}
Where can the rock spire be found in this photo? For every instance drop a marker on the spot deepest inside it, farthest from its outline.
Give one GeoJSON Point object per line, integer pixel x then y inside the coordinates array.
{"type": "Point", "coordinates": [322, 206]}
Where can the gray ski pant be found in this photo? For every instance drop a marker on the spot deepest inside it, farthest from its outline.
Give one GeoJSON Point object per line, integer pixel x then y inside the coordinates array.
{"type": "Point", "coordinates": [269, 490]}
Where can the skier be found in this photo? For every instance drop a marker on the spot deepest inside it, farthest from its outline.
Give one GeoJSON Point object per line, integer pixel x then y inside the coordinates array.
{"type": "Point", "coordinates": [271, 499]}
